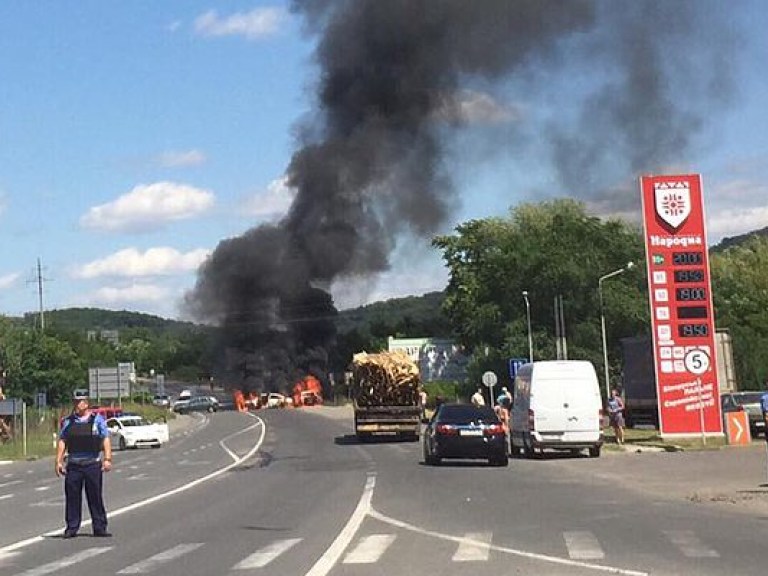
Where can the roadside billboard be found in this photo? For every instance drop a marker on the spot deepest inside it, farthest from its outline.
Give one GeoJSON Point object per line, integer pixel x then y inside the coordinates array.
{"type": "Point", "coordinates": [680, 298]}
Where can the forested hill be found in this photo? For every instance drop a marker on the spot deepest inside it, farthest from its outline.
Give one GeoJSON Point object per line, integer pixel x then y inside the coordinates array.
{"type": "Point", "coordinates": [408, 317]}
{"type": "Point", "coordinates": [729, 242]}
{"type": "Point", "coordinates": [412, 316]}
{"type": "Point", "coordinates": [84, 319]}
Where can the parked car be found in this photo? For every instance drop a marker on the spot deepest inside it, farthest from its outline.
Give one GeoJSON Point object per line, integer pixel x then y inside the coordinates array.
{"type": "Point", "coordinates": [748, 402]}
{"type": "Point", "coordinates": [465, 431]}
{"type": "Point", "coordinates": [133, 431]}
{"type": "Point", "coordinates": [275, 400]}
{"type": "Point", "coordinates": [162, 400]}
{"type": "Point", "coordinates": [197, 404]}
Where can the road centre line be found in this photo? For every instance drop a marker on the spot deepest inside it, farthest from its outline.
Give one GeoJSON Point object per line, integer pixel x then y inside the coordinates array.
{"type": "Point", "coordinates": [503, 549]}
{"type": "Point", "coordinates": [331, 556]}
{"type": "Point", "coordinates": [131, 507]}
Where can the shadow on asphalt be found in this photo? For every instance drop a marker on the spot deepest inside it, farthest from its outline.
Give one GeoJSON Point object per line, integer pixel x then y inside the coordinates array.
{"type": "Point", "coordinates": [353, 440]}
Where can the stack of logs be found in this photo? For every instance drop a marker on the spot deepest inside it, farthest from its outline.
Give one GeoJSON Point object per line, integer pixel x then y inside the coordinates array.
{"type": "Point", "coordinates": [385, 379]}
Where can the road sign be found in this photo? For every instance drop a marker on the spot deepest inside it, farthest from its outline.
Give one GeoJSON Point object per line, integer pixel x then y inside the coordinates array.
{"type": "Point", "coordinates": [514, 366]}
{"type": "Point", "coordinates": [490, 379]}
{"type": "Point", "coordinates": [696, 361]}
{"type": "Point", "coordinates": [737, 427]}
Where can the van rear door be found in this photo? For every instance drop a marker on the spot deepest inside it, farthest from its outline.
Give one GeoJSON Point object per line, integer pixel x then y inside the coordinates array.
{"type": "Point", "coordinates": [548, 402]}
{"type": "Point", "coordinates": [583, 410]}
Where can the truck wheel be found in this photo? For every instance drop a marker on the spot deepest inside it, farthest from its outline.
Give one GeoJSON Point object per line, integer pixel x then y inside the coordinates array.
{"type": "Point", "coordinates": [594, 452]}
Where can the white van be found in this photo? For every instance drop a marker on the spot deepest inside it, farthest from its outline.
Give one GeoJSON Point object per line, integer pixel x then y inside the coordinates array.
{"type": "Point", "coordinates": [557, 405]}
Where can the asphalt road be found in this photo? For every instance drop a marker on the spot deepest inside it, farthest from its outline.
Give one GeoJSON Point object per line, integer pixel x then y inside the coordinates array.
{"type": "Point", "coordinates": [290, 492]}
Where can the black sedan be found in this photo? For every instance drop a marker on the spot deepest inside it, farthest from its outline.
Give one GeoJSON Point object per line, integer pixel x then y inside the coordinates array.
{"type": "Point", "coordinates": [199, 404]}
{"type": "Point", "coordinates": [465, 431]}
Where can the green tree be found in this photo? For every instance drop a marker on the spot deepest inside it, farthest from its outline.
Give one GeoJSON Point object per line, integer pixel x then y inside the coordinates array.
{"type": "Point", "coordinates": [547, 249]}
{"type": "Point", "coordinates": [36, 362]}
{"type": "Point", "coordinates": [740, 292]}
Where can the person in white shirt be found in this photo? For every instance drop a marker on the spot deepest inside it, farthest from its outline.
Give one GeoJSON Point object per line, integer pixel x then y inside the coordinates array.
{"type": "Point", "coordinates": [477, 398]}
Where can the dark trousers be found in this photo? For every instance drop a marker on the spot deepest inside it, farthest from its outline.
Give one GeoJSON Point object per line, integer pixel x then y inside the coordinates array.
{"type": "Point", "coordinates": [88, 475]}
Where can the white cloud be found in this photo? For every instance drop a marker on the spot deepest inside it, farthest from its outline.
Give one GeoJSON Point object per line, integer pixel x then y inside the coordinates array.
{"type": "Point", "coordinates": [472, 107]}
{"type": "Point", "coordinates": [8, 280]}
{"type": "Point", "coordinates": [255, 24]}
{"type": "Point", "coordinates": [147, 207]}
{"type": "Point", "coordinates": [271, 203]}
{"type": "Point", "coordinates": [136, 293]}
{"type": "Point", "coordinates": [161, 261]}
{"type": "Point", "coordinates": [180, 159]}
{"type": "Point", "coordinates": [735, 221]}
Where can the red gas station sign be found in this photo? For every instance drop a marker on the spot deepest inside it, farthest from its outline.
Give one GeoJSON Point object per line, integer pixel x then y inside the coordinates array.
{"type": "Point", "coordinates": [680, 297]}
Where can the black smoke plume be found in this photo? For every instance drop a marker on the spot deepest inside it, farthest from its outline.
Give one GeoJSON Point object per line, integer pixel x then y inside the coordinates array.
{"type": "Point", "coordinates": [371, 162]}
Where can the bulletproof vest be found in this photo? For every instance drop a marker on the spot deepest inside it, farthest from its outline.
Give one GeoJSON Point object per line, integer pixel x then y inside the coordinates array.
{"type": "Point", "coordinates": [82, 436]}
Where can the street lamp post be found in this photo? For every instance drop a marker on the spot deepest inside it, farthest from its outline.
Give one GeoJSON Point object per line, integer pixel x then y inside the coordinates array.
{"type": "Point", "coordinates": [528, 316]}
{"type": "Point", "coordinates": [602, 322]}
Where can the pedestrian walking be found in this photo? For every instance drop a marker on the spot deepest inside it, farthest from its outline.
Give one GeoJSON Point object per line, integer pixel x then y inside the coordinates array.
{"type": "Point", "coordinates": [477, 398]}
{"type": "Point", "coordinates": [423, 403]}
{"type": "Point", "coordinates": [616, 415]}
{"type": "Point", "coordinates": [83, 439]}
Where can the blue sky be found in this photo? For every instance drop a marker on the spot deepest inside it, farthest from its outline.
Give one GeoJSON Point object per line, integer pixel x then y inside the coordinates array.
{"type": "Point", "coordinates": [134, 136]}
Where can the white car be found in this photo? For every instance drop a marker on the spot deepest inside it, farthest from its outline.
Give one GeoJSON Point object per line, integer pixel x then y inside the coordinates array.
{"type": "Point", "coordinates": [275, 400]}
{"type": "Point", "coordinates": [132, 431]}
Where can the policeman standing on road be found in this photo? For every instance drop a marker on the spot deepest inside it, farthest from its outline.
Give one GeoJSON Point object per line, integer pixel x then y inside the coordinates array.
{"type": "Point", "coordinates": [83, 437]}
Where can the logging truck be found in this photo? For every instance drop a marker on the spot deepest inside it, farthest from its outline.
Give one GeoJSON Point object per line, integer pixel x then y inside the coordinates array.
{"type": "Point", "coordinates": [385, 393]}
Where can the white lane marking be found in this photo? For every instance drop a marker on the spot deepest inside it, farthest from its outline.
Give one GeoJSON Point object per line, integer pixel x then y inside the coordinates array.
{"type": "Point", "coordinates": [369, 549]}
{"type": "Point", "coordinates": [11, 483]}
{"type": "Point", "coordinates": [42, 488]}
{"type": "Point", "coordinates": [6, 557]}
{"type": "Point", "coordinates": [511, 551]}
{"type": "Point", "coordinates": [54, 567]}
{"type": "Point", "coordinates": [469, 551]}
{"type": "Point", "coordinates": [6, 496]}
{"type": "Point", "coordinates": [689, 544]}
{"type": "Point", "coordinates": [326, 562]}
{"type": "Point", "coordinates": [162, 496]}
{"type": "Point", "coordinates": [262, 557]}
{"type": "Point", "coordinates": [151, 563]}
{"type": "Point", "coordinates": [582, 545]}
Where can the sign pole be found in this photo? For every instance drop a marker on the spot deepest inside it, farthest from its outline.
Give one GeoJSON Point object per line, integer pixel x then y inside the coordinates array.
{"type": "Point", "coordinates": [701, 413]}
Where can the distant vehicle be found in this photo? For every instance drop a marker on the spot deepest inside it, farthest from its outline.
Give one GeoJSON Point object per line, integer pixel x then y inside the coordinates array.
{"type": "Point", "coordinates": [465, 431]}
{"type": "Point", "coordinates": [641, 404]}
{"type": "Point", "coordinates": [185, 394]}
{"type": "Point", "coordinates": [162, 400]}
{"type": "Point", "coordinates": [557, 405]}
{"type": "Point", "coordinates": [275, 400]}
{"type": "Point", "coordinates": [197, 404]}
{"type": "Point", "coordinates": [180, 404]}
{"type": "Point", "coordinates": [135, 431]}
{"type": "Point", "coordinates": [748, 402]}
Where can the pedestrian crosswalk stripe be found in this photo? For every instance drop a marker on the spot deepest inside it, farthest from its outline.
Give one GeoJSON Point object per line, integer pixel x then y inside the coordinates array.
{"type": "Point", "coordinates": [54, 567]}
{"type": "Point", "coordinates": [369, 549]}
{"type": "Point", "coordinates": [262, 557]}
{"type": "Point", "coordinates": [474, 547]}
{"type": "Point", "coordinates": [153, 562]}
{"type": "Point", "coordinates": [582, 545]}
{"type": "Point", "coordinates": [689, 544]}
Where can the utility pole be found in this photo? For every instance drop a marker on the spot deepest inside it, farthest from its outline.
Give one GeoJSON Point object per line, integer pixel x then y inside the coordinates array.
{"type": "Point", "coordinates": [40, 294]}
{"type": "Point", "coordinates": [39, 280]}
